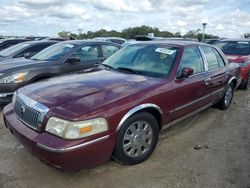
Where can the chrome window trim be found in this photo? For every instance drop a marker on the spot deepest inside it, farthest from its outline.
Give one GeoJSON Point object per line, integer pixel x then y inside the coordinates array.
{"type": "Point", "coordinates": [211, 70]}
{"type": "Point", "coordinates": [136, 109]}
{"type": "Point", "coordinates": [72, 148]}
{"type": "Point", "coordinates": [204, 58]}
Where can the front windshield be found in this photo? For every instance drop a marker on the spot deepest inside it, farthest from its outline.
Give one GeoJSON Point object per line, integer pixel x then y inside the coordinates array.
{"type": "Point", "coordinates": [13, 49]}
{"type": "Point", "coordinates": [234, 47]}
{"type": "Point", "coordinates": [54, 52]}
{"type": "Point", "coordinates": [150, 60]}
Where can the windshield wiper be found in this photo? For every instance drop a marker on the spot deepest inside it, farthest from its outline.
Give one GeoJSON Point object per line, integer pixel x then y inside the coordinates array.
{"type": "Point", "coordinates": [128, 70]}
{"type": "Point", "coordinates": [108, 66]}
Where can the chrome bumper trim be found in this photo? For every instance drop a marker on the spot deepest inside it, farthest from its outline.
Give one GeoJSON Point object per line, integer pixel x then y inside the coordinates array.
{"type": "Point", "coordinates": [72, 148]}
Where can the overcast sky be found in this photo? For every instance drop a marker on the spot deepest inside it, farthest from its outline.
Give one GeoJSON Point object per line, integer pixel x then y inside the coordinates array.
{"type": "Point", "coordinates": [229, 18]}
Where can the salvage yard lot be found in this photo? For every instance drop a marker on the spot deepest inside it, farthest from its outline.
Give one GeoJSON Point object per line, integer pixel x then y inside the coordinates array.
{"type": "Point", "coordinates": [222, 161]}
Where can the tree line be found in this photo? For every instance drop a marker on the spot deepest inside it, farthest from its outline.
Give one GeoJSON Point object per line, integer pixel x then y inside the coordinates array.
{"type": "Point", "coordinates": [130, 32]}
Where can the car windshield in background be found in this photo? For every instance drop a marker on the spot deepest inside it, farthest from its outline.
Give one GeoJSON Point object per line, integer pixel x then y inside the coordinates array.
{"type": "Point", "coordinates": [13, 49]}
{"type": "Point", "coordinates": [234, 47]}
{"type": "Point", "coordinates": [149, 60]}
{"type": "Point", "coordinates": [54, 52]}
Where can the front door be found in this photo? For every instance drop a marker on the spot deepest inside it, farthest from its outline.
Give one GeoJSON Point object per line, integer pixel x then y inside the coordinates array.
{"type": "Point", "coordinates": [191, 92]}
{"type": "Point", "coordinates": [89, 58]}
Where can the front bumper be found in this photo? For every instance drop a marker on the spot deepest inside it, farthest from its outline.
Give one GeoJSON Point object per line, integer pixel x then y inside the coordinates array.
{"type": "Point", "coordinates": [7, 90]}
{"type": "Point", "coordinates": [60, 153]}
{"type": "Point", "coordinates": [244, 73]}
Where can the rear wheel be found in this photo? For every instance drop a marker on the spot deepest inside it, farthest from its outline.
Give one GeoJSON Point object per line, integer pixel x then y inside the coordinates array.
{"type": "Point", "coordinates": [136, 139]}
{"type": "Point", "coordinates": [226, 100]}
{"type": "Point", "coordinates": [247, 83]}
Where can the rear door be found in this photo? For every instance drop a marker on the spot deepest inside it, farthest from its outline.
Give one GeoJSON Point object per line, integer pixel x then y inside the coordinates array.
{"type": "Point", "coordinates": [108, 49]}
{"type": "Point", "coordinates": [217, 75]}
{"type": "Point", "coordinates": [191, 92]}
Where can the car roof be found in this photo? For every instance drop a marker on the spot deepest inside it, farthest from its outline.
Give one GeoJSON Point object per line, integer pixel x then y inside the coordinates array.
{"type": "Point", "coordinates": [40, 42]}
{"type": "Point", "coordinates": [119, 38]}
{"type": "Point", "coordinates": [178, 43]}
{"type": "Point", "coordinates": [5, 40]}
{"type": "Point", "coordinates": [236, 39]}
{"type": "Point", "coordinates": [90, 41]}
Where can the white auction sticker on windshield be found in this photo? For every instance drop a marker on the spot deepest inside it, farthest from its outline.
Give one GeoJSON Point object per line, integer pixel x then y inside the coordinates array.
{"type": "Point", "coordinates": [165, 51]}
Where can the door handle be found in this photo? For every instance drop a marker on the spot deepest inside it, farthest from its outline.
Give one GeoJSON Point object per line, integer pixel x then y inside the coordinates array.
{"type": "Point", "coordinates": [208, 81]}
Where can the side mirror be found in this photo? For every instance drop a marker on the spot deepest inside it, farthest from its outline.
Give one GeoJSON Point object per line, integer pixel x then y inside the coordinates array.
{"type": "Point", "coordinates": [28, 55]}
{"type": "Point", "coordinates": [186, 72]}
{"type": "Point", "coordinates": [74, 60]}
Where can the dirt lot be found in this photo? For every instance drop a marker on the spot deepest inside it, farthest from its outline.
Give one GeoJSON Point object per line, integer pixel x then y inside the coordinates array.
{"type": "Point", "coordinates": [223, 160]}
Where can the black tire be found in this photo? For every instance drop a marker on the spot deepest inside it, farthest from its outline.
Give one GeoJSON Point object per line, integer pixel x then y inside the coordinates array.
{"type": "Point", "coordinates": [134, 121]}
{"type": "Point", "coordinates": [223, 104]}
{"type": "Point", "coordinates": [246, 85]}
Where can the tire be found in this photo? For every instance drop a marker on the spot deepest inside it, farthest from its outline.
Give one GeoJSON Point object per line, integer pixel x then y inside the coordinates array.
{"type": "Point", "coordinates": [226, 100]}
{"type": "Point", "coordinates": [135, 143]}
{"type": "Point", "coordinates": [246, 85]}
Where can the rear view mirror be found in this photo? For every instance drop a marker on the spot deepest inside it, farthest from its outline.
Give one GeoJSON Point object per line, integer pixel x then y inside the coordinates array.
{"type": "Point", "coordinates": [186, 72]}
{"type": "Point", "coordinates": [74, 60]}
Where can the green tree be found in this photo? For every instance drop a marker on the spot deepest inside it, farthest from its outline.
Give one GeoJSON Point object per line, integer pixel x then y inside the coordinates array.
{"type": "Point", "coordinates": [64, 34]}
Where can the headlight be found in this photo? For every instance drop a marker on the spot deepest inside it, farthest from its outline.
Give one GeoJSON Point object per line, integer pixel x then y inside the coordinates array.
{"type": "Point", "coordinates": [15, 78]}
{"type": "Point", "coordinates": [75, 130]}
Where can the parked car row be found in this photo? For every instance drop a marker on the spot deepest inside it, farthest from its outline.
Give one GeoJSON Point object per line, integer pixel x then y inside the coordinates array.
{"type": "Point", "coordinates": [106, 101]}
{"type": "Point", "coordinates": [61, 58]}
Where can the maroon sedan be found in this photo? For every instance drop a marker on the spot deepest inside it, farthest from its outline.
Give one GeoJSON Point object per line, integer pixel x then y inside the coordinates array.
{"type": "Point", "coordinates": [81, 120]}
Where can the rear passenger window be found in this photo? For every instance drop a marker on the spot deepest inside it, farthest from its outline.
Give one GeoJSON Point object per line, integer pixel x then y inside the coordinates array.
{"type": "Point", "coordinates": [108, 50]}
{"type": "Point", "coordinates": [219, 58]}
{"type": "Point", "coordinates": [212, 59]}
{"type": "Point", "coordinates": [192, 58]}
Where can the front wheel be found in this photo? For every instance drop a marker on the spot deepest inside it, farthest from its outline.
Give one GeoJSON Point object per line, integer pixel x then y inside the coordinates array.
{"type": "Point", "coordinates": [226, 100]}
{"type": "Point", "coordinates": [137, 139]}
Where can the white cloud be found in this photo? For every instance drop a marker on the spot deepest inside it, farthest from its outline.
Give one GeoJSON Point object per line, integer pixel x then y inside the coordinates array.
{"type": "Point", "coordinates": [224, 18]}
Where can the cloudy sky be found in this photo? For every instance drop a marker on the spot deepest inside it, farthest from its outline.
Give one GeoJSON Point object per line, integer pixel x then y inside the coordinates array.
{"type": "Point", "coordinates": [229, 18]}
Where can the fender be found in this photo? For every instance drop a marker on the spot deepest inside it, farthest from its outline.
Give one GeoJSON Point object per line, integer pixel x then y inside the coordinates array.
{"type": "Point", "coordinates": [136, 109]}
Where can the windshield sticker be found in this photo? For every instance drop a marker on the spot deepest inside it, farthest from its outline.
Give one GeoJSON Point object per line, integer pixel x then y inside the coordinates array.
{"type": "Point", "coordinates": [165, 51]}
{"type": "Point", "coordinates": [69, 45]}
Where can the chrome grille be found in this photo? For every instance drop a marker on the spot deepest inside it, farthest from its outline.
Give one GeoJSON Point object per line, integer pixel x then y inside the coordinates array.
{"type": "Point", "coordinates": [29, 111]}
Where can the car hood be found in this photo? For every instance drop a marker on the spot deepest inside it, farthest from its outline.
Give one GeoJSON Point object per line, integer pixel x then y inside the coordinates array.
{"type": "Point", "coordinates": [15, 64]}
{"type": "Point", "coordinates": [237, 58]}
{"type": "Point", "coordinates": [79, 94]}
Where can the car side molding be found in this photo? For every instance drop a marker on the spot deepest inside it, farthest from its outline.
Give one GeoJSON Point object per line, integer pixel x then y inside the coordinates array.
{"type": "Point", "coordinates": [136, 109]}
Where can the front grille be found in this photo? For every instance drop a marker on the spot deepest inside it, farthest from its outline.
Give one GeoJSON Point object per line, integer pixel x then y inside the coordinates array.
{"type": "Point", "coordinates": [30, 114]}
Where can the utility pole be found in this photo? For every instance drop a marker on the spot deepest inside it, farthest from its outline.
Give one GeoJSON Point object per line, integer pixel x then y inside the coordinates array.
{"type": "Point", "coordinates": [204, 29]}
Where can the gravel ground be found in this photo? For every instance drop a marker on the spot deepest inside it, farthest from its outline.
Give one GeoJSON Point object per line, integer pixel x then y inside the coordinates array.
{"type": "Point", "coordinates": [222, 158]}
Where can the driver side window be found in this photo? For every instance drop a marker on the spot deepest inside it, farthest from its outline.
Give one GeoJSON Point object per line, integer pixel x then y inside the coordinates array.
{"type": "Point", "coordinates": [192, 58]}
{"type": "Point", "coordinates": [87, 53]}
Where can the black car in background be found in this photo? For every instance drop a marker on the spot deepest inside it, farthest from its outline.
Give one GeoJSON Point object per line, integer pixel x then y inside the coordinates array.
{"type": "Point", "coordinates": [212, 41]}
{"type": "Point", "coordinates": [24, 49]}
{"type": "Point", "coordinates": [6, 43]}
{"type": "Point", "coordinates": [60, 58]}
